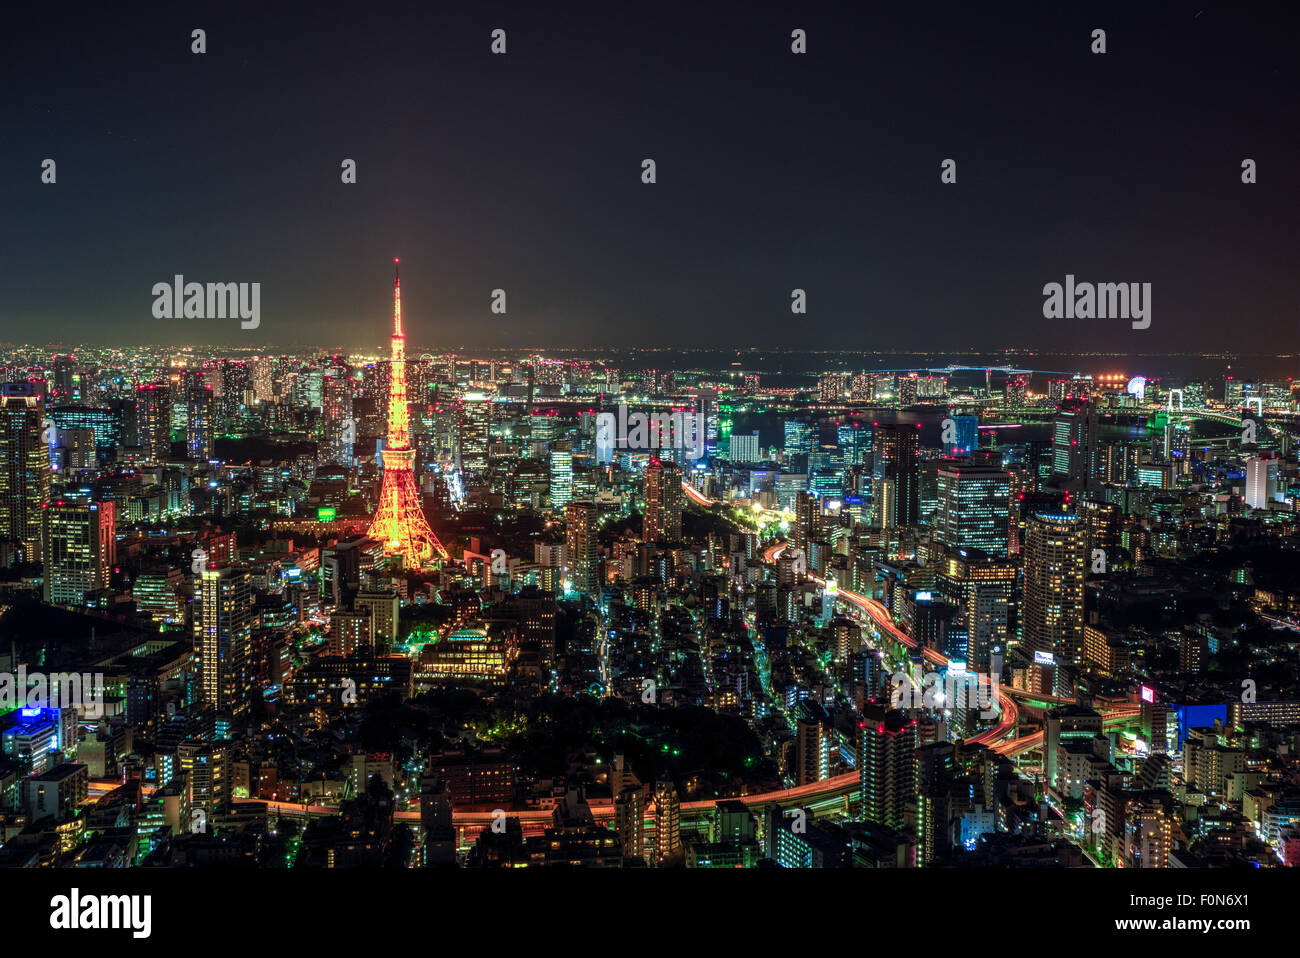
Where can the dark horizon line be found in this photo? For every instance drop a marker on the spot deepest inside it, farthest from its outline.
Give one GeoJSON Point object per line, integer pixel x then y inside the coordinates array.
{"type": "Point", "coordinates": [552, 347]}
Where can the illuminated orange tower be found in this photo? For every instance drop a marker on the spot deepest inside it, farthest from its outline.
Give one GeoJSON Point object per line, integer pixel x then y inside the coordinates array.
{"type": "Point", "coordinates": [399, 522]}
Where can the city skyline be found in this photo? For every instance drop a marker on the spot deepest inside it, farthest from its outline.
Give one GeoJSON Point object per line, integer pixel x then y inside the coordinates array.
{"type": "Point", "coordinates": [854, 622]}
{"type": "Point", "coordinates": [805, 437]}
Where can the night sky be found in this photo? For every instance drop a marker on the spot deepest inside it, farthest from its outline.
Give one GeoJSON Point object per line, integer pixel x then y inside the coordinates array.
{"type": "Point", "coordinates": [775, 171]}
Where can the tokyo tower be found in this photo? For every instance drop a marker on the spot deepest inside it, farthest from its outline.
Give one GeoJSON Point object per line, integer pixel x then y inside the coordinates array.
{"type": "Point", "coordinates": [399, 522]}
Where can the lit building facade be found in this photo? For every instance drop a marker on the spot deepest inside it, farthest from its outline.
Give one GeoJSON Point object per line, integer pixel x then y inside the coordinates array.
{"type": "Point", "coordinates": [80, 549]}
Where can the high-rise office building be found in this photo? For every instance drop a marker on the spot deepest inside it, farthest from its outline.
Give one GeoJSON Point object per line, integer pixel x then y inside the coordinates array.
{"type": "Point", "coordinates": [1055, 566]}
{"type": "Point", "coordinates": [24, 467]}
{"type": "Point", "coordinates": [664, 502]}
{"type": "Point", "coordinates": [236, 389]}
{"type": "Point", "coordinates": [75, 451]}
{"type": "Point", "coordinates": [561, 468]}
{"type": "Point", "coordinates": [308, 389]}
{"type": "Point", "coordinates": [1261, 481]}
{"type": "Point", "coordinates": [964, 438]}
{"type": "Point", "coordinates": [105, 423]}
{"type": "Point", "coordinates": [80, 548]}
{"type": "Point", "coordinates": [798, 438]}
{"type": "Point", "coordinates": [350, 630]}
{"type": "Point", "coordinates": [65, 384]}
{"type": "Point", "coordinates": [1117, 463]}
{"type": "Point", "coordinates": [340, 425]}
{"type": "Point", "coordinates": [1103, 520]}
{"type": "Point", "coordinates": [855, 442]}
{"type": "Point", "coordinates": [580, 547]}
{"type": "Point", "coordinates": [884, 504]}
{"type": "Point", "coordinates": [932, 624]}
{"type": "Point", "coordinates": [898, 462]}
{"type": "Point", "coordinates": [704, 403]}
{"type": "Point", "coordinates": [983, 588]}
{"type": "Point", "coordinates": [807, 514]}
{"type": "Point", "coordinates": [744, 447]}
{"type": "Point", "coordinates": [200, 412]}
{"type": "Point", "coordinates": [973, 507]}
{"type": "Point", "coordinates": [474, 429]}
{"type": "Point", "coordinates": [223, 627]}
{"type": "Point", "coordinates": [383, 607]}
{"type": "Point", "coordinates": [158, 593]}
{"type": "Point", "coordinates": [1237, 391]}
{"type": "Point", "coordinates": [935, 770]}
{"type": "Point", "coordinates": [1075, 443]}
{"type": "Point", "coordinates": [262, 376]}
{"type": "Point", "coordinates": [154, 420]}
{"type": "Point", "coordinates": [543, 429]}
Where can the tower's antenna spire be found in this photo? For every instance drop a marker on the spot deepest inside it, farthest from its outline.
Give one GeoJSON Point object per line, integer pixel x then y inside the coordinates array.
{"type": "Point", "coordinates": [397, 298]}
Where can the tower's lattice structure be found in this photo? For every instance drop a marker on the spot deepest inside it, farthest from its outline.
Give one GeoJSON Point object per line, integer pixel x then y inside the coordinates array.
{"type": "Point", "coordinates": [399, 521]}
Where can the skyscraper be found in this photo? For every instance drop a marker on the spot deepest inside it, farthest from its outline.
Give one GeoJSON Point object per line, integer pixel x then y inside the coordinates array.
{"type": "Point", "coordinates": [884, 504]}
{"type": "Point", "coordinates": [964, 438]}
{"type": "Point", "coordinates": [798, 438]}
{"type": "Point", "coordinates": [705, 405]}
{"type": "Point", "coordinates": [474, 428]}
{"type": "Point", "coordinates": [932, 624]}
{"type": "Point", "coordinates": [24, 467]}
{"type": "Point", "coordinates": [807, 516]}
{"type": "Point", "coordinates": [236, 383]}
{"type": "Point", "coordinates": [855, 441]}
{"type": "Point", "coordinates": [831, 387]}
{"type": "Point", "coordinates": [223, 629]}
{"type": "Point", "coordinates": [983, 588]}
{"type": "Point", "coordinates": [340, 426]}
{"type": "Point", "coordinates": [105, 423]}
{"type": "Point", "coordinates": [862, 387]}
{"type": "Point", "coordinates": [1055, 566]}
{"type": "Point", "coordinates": [887, 742]}
{"type": "Point", "coordinates": [973, 508]}
{"type": "Point", "coordinates": [1261, 481]}
{"type": "Point", "coordinates": [664, 502]}
{"type": "Point", "coordinates": [1075, 443]}
{"type": "Point", "coordinates": [154, 420]}
{"type": "Point", "coordinates": [80, 548]}
{"type": "Point", "coordinates": [399, 522]}
{"type": "Point", "coordinates": [199, 419]}
{"type": "Point", "coordinates": [561, 475]}
{"type": "Point", "coordinates": [744, 447]}
{"type": "Point", "coordinates": [65, 384]}
{"type": "Point", "coordinates": [898, 462]}
{"type": "Point", "coordinates": [580, 552]}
